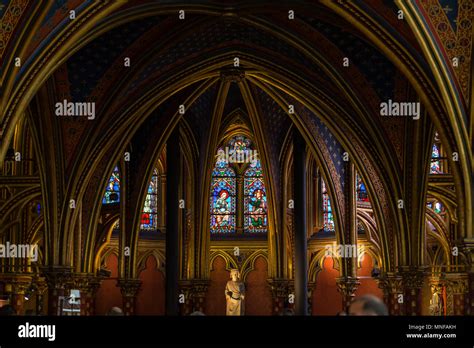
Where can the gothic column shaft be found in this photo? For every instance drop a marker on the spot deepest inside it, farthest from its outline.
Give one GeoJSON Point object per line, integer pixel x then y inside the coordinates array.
{"type": "Point", "coordinates": [301, 263]}
{"type": "Point", "coordinates": [172, 223]}
{"type": "Point", "coordinates": [347, 284]}
{"type": "Point", "coordinates": [41, 287]}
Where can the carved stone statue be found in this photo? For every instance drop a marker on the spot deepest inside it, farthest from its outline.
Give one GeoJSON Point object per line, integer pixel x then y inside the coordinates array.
{"type": "Point", "coordinates": [235, 294]}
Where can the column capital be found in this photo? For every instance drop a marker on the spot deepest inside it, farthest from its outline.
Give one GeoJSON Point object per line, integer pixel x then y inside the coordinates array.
{"type": "Point", "coordinates": [457, 282]}
{"type": "Point", "coordinates": [347, 285]}
{"type": "Point", "coordinates": [57, 277]}
{"type": "Point", "coordinates": [391, 283]}
{"type": "Point", "coordinates": [129, 287]}
{"type": "Point", "coordinates": [198, 292]}
{"type": "Point", "coordinates": [279, 287]}
{"type": "Point", "coordinates": [85, 282]}
{"type": "Point", "coordinates": [199, 287]}
{"type": "Point", "coordinates": [413, 277]}
{"type": "Point", "coordinates": [40, 285]}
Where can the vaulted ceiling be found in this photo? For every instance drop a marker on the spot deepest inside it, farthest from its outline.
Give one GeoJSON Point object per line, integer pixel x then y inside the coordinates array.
{"type": "Point", "coordinates": [190, 62]}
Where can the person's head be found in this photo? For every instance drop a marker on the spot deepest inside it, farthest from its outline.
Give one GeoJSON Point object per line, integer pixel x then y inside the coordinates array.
{"type": "Point", "coordinates": [115, 311]}
{"type": "Point", "coordinates": [234, 274]}
{"type": "Point", "coordinates": [224, 194]}
{"type": "Point", "coordinates": [367, 305]}
{"type": "Point", "coordinates": [259, 194]}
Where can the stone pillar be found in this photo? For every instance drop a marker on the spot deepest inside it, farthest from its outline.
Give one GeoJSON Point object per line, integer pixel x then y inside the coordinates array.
{"type": "Point", "coordinates": [392, 286]}
{"type": "Point", "coordinates": [173, 156]}
{"type": "Point", "coordinates": [457, 284]}
{"type": "Point", "coordinates": [347, 286]}
{"type": "Point", "coordinates": [280, 292]}
{"type": "Point", "coordinates": [301, 250]}
{"type": "Point", "coordinates": [412, 282]}
{"type": "Point", "coordinates": [199, 292]}
{"type": "Point", "coordinates": [129, 289]}
{"type": "Point", "coordinates": [41, 287]}
{"type": "Point", "coordinates": [88, 285]}
{"type": "Point", "coordinates": [347, 283]}
{"type": "Point", "coordinates": [59, 280]}
{"type": "Point", "coordinates": [185, 288]}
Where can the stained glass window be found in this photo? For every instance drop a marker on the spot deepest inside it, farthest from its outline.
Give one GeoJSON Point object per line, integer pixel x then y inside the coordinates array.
{"type": "Point", "coordinates": [238, 197]}
{"type": "Point", "coordinates": [255, 205]}
{"type": "Point", "coordinates": [222, 168]}
{"type": "Point", "coordinates": [150, 208]}
{"type": "Point", "coordinates": [327, 210]}
{"type": "Point", "coordinates": [223, 197]}
{"type": "Point", "coordinates": [436, 206]}
{"type": "Point", "coordinates": [112, 191]}
{"type": "Point", "coordinates": [435, 160]}
{"type": "Point", "coordinates": [239, 148]}
{"type": "Point", "coordinates": [362, 195]}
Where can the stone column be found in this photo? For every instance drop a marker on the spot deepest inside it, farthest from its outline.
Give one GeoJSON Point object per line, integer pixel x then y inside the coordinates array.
{"type": "Point", "coordinates": [347, 286]}
{"type": "Point", "coordinates": [129, 289]}
{"type": "Point", "coordinates": [59, 280]}
{"type": "Point", "coordinates": [173, 156]}
{"type": "Point", "coordinates": [199, 292]}
{"type": "Point", "coordinates": [280, 292]}
{"type": "Point", "coordinates": [412, 282]}
{"type": "Point", "coordinates": [301, 250]}
{"type": "Point", "coordinates": [88, 285]}
{"type": "Point", "coordinates": [347, 283]}
{"type": "Point", "coordinates": [457, 284]}
{"type": "Point", "coordinates": [41, 287]}
{"type": "Point", "coordinates": [185, 288]}
{"type": "Point", "coordinates": [392, 286]}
